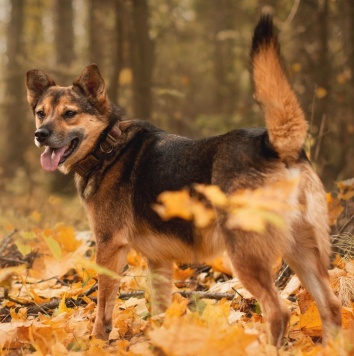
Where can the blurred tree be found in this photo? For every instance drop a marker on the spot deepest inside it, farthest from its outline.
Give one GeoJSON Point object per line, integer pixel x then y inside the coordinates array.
{"type": "Point", "coordinates": [15, 141]}
{"type": "Point", "coordinates": [96, 29]}
{"type": "Point", "coordinates": [142, 58]}
{"type": "Point", "coordinates": [346, 78]}
{"type": "Point", "coordinates": [105, 27]}
{"type": "Point", "coordinates": [64, 58]}
{"type": "Point", "coordinates": [193, 54]}
{"type": "Point", "coordinates": [117, 54]}
{"type": "Point", "coordinates": [222, 14]}
{"type": "Point", "coordinates": [312, 26]}
{"type": "Point", "coordinates": [64, 39]}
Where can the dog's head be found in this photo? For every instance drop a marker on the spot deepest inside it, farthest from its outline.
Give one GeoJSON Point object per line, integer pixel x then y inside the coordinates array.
{"type": "Point", "coordinates": [69, 119]}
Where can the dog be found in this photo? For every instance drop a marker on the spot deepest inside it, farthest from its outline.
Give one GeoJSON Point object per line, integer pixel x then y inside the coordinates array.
{"type": "Point", "coordinates": [121, 166]}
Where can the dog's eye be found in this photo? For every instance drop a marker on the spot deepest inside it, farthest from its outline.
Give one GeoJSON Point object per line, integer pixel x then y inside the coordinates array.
{"type": "Point", "coordinates": [40, 114]}
{"type": "Point", "coordinates": [69, 113]}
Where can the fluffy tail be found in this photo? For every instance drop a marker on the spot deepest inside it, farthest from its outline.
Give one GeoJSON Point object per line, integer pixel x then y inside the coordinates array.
{"type": "Point", "coordinates": [284, 117]}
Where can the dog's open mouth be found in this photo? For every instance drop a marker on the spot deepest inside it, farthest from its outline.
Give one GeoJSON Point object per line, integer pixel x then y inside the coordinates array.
{"type": "Point", "coordinates": [52, 157]}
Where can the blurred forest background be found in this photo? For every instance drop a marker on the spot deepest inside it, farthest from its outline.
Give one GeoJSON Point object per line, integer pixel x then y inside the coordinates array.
{"type": "Point", "coordinates": [182, 64]}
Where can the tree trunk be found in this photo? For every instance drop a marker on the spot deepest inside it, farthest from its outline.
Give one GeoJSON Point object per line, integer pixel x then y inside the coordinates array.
{"type": "Point", "coordinates": [330, 160]}
{"type": "Point", "coordinates": [105, 40]}
{"type": "Point", "coordinates": [16, 127]}
{"type": "Point", "coordinates": [141, 50]}
{"type": "Point", "coordinates": [64, 54]}
{"type": "Point", "coordinates": [117, 51]}
{"type": "Point", "coordinates": [225, 85]}
{"type": "Point", "coordinates": [64, 39]}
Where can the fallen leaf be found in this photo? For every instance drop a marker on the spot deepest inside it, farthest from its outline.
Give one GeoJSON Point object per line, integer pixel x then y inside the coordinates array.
{"type": "Point", "coordinates": [6, 275]}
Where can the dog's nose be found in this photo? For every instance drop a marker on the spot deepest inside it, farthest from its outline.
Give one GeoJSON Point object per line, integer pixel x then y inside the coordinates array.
{"type": "Point", "coordinates": [42, 134]}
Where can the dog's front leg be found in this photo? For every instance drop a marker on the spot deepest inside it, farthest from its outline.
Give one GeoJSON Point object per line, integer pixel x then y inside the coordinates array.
{"type": "Point", "coordinates": [160, 285]}
{"type": "Point", "coordinates": [112, 255]}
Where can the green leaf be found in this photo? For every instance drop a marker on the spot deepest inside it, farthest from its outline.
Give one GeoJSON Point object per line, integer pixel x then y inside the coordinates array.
{"type": "Point", "coordinates": [54, 247]}
{"type": "Point", "coordinates": [257, 308]}
{"type": "Point", "coordinates": [98, 268]}
{"type": "Point", "coordinates": [28, 235]}
{"type": "Point", "coordinates": [24, 249]}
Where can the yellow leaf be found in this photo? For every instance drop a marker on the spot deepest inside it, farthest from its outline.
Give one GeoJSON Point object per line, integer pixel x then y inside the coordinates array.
{"type": "Point", "coordinates": [21, 315]}
{"type": "Point", "coordinates": [87, 300]}
{"type": "Point", "coordinates": [28, 235]}
{"type": "Point", "coordinates": [54, 247]}
{"type": "Point", "coordinates": [36, 298]}
{"type": "Point", "coordinates": [202, 215]}
{"type": "Point", "coordinates": [7, 273]}
{"type": "Point", "coordinates": [179, 204]}
{"type": "Point", "coordinates": [346, 184]}
{"type": "Point", "coordinates": [341, 78]}
{"type": "Point", "coordinates": [249, 219]}
{"type": "Point", "coordinates": [96, 267]}
{"type": "Point", "coordinates": [35, 216]}
{"type": "Point", "coordinates": [347, 318]}
{"type": "Point", "coordinates": [248, 209]}
{"type": "Point", "coordinates": [310, 321]}
{"type": "Point", "coordinates": [135, 259]}
{"type": "Point", "coordinates": [66, 237]}
{"type": "Point", "coordinates": [213, 193]}
{"type": "Point", "coordinates": [8, 226]}
{"type": "Point", "coordinates": [176, 309]}
{"type": "Point", "coordinates": [24, 249]}
{"type": "Point", "coordinates": [62, 306]}
{"type": "Point", "coordinates": [222, 264]}
{"type": "Point", "coordinates": [182, 274]}
{"type": "Point", "coordinates": [190, 336]}
{"type": "Point", "coordinates": [217, 315]}
{"type": "Point", "coordinates": [346, 196]}
{"type": "Point", "coordinates": [296, 67]}
{"type": "Point", "coordinates": [125, 76]}
{"type": "Point", "coordinates": [54, 200]}
{"type": "Point", "coordinates": [174, 204]}
{"type": "Point", "coordinates": [338, 262]}
{"type": "Point", "coordinates": [334, 208]}
{"type": "Point", "coordinates": [305, 344]}
{"type": "Point", "coordinates": [321, 92]}
{"type": "Point", "coordinates": [182, 338]}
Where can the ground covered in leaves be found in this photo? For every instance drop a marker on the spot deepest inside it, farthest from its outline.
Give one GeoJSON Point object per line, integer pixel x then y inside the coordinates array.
{"type": "Point", "coordinates": [48, 296]}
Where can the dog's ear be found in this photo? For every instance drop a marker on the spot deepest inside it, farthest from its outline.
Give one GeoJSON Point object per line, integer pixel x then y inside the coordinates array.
{"type": "Point", "coordinates": [92, 85]}
{"type": "Point", "coordinates": [37, 82]}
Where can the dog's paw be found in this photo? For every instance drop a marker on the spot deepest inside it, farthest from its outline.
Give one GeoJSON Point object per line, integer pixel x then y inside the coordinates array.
{"type": "Point", "coordinates": [101, 332]}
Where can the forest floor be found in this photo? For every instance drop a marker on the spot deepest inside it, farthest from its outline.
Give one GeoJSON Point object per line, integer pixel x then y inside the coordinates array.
{"type": "Point", "coordinates": [48, 287]}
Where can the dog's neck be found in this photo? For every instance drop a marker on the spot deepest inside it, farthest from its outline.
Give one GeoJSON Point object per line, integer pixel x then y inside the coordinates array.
{"type": "Point", "coordinates": [105, 146]}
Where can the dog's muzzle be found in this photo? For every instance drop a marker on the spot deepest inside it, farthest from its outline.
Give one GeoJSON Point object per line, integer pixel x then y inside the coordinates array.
{"type": "Point", "coordinates": [42, 134]}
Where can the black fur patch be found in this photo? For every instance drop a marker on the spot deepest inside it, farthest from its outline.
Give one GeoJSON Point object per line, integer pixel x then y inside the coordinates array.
{"type": "Point", "coordinates": [264, 34]}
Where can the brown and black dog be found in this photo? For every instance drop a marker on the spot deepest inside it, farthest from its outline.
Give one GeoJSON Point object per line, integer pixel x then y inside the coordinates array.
{"type": "Point", "coordinates": [122, 166]}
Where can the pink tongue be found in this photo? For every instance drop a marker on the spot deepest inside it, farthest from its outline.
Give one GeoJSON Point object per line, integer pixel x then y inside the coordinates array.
{"type": "Point", "coordinates": [50, 158]}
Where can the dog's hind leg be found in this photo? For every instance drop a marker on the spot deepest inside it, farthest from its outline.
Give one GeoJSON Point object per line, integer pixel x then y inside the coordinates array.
{"type": "Point", "coordinates": [110, 255]}
{"type": "Point", "coordinates": [160, 285]}
{"type": "Point", "coordinates": [307, 261]}
{"type": "Point", "coordinates": [253, 262]}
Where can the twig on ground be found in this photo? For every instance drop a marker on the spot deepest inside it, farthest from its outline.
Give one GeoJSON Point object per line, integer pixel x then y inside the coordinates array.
{"type": "Point", "coordinates": [6, 296]}
{"type": "Point", "coordinates": [33, 309]}
{"type": "Point", "coordinates": [206, 295]}
{"type": "Point", "coordinates": [282, 274]}
{"type": "Point", "coordinates": [90, 291]}
{"type": "Point", "coordinates": [6, 241]}
{"type": "Point", "coordinates": [13, 261]}
{"type": "Point", "coordinates": [343, 228]}
{"type": "Point", "coordinates": [135, 294]}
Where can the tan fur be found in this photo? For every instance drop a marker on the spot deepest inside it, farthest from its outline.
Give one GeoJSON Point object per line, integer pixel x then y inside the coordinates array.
{"type": "Point", "coordinates": [284, 117]}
